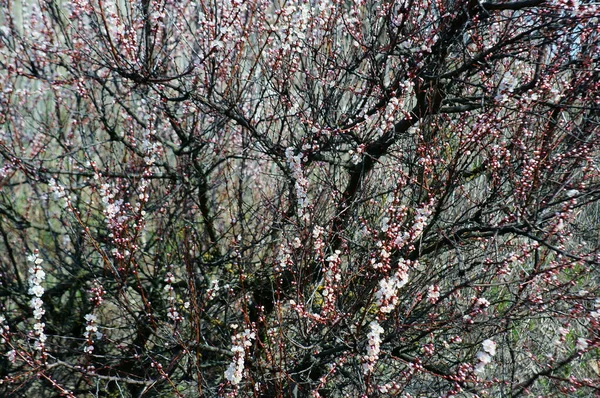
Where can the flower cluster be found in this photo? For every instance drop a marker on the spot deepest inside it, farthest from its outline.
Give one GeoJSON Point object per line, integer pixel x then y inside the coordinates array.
{"type": "Point", "coordinates": [12, 356]}
{"type": "Point", "coordinates": [113, 208]}
{"type": "Point", "coordinates": [36, 276]}
{"type": "Point", "coordinates": [356, 156]}
{"type": "Point", "coordinates": [240, 341]}
{"type": "Point", "coordinates": [3, 330]}
{"type": "Point", "coordinates": [91, 329]}
{"type": "Point", "coordinates": [152, 149]}
{"type": "Point", "coordinates": [387, 295]}
{"type": "Point", "coordinates": [123, 218]}
{"type": "Point", "coordinates": [213, 288]}
{"type": "Point", "coordinates": [582, 344]}
{"type": "Point", "coordinates": [400, 237]}
{"type": "Point", "coordinates": [318, 233]}
{"type": "Point", "coordinates": [284, 258]}
{"type": "Point", "coordinates": [421, 217]}
{"type": "Point", "coordinates": [482, 302]}
{"type": "Point", "coordinates": [331, 283]}
{"type": "Point", "coordinates": [172, 312]}
{"type": "Point", "coordinates": [393, 388]}
{"type": "Point", "coordinates": [479, 306]}
{"type": "Point", "coordinates": [301, 184]}
{"type": "Point", "coordinates": [485, 356]}
{"type": "Point", "coordinates": [96, 294]}
{"type": "Point", "coordinates": [373, 347]}
{"type": "Point", "coordinates": [58, 192]}
{"type": "Point", "coordinates": [433, 294]}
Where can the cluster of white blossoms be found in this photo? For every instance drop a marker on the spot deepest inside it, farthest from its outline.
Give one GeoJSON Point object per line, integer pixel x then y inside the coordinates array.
{"type": "Point", "coordinates": [373, 347]}
{"type": "Point", "coordinates": [403, 238]}
{"type": "Point", "coordinates": [152, 149]}
{"type": "Point", "coordinates": [91, 329]}
{"type": "Point", "coordinates": [481, 302]}
{"type": "Point", "coordinates": [387, 295]}
{"type": "Point", "coordinates": [59, 193]}
{"type": "Point", "coordinates": [582, 344]}
{"type": "Point", "coordinates": [421, 217]}
{"type": "Point", "coordinates": [213, 288]}
{"type": "Point", "coordinates": [318, 233]}
{"type": "Point", "coordinates": [356, 155]}
{"type": "Point", "coordinates": [172, 312]}
{"type": "Point", "coordinates": [284, 257]}
{"type": "Point", "coordinates": [36, 276]}
{"type": "Point", "coordinates": [301, 184]}
{"type": "Point", "coordinates": [332, 278]}
{"type": "Point", "coordinates": [3, 330]}
{"type": "Point", "coordinates": [240, 341]}
{"type": "Point", "coordinates": [485, 356]}
{"type": "Point", "coordinates": [433, 294]}
{"type": "Point", "coordinates": [91, 321]}
{"type": "Point", "coordinates": [112, 208]}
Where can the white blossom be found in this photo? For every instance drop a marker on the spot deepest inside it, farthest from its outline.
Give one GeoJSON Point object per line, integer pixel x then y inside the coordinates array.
{"type": "Point", "coordinates": [433, 294]}
{"type": "Point", "coordinates": [36, 276]}
{"type": "Point", "coordinates": [489, 346]}
{"type": "Point", "coordinates": [421, 217]}
{"type": "Point", "coordinates": [301, 183]}
{"type": "Point", "coordinates": [485, 357]}
{"type": "Point", "coordinates": [241, 341]}
{"type": "Point", "coordinates": [3, 330]}
{"type": "Point", "coordinates": [480, 367]}
{"type": "Point", "coordinates": [36, 290]}
{"type": "Point", "coordinates": [91, 329]}
{"type": "Point", "coordinates": [387, 295]}
{"type": "Point", "coordinates": [582, 344]}
{"type": "Point", "coordinates": [481, 302]}
{"type": "Point", "coordinates": [373, 347]}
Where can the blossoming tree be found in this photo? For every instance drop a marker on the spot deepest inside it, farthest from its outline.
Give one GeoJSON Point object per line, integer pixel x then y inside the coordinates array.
{"type": "Point", "coordinates": [292, 198]}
